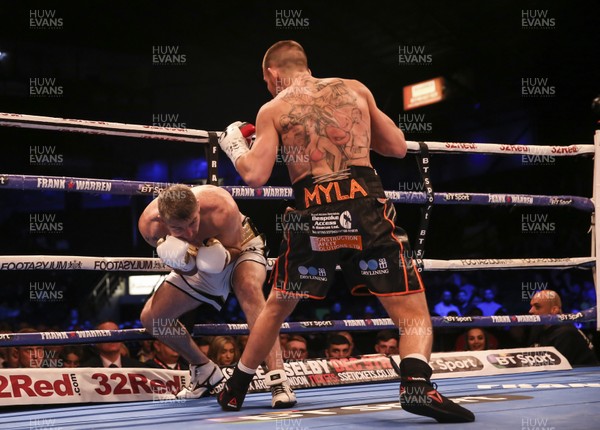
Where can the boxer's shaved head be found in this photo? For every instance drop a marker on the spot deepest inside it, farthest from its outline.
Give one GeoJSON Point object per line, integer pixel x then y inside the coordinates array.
{"type": "Point", "coordinates": [286, 54]}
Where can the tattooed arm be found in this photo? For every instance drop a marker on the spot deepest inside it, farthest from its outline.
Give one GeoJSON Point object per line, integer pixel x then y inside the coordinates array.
{"type": "Point", "coordinates": [256, 165]}
{"type": "Point", "coordinates": [386, 138]}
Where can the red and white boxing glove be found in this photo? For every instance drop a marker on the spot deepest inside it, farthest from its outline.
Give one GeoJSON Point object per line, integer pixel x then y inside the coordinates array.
{"type": "Point", "coordinates": [236, 139]}
{"type": "Point", "coordinates": [175, 253]}
{"type": "Point", "coordinates": [213, 257]}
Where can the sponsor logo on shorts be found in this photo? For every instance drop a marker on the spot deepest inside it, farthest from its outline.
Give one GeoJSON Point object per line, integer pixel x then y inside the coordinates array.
{"type": "Point", "coordinates": [332, 223]}
{"type": "Point", "coordinates": [331, 243]}
{"type": "Point", "coordinates": [374, 267]}
{"type": "Point", "coordinates": [313, 273]}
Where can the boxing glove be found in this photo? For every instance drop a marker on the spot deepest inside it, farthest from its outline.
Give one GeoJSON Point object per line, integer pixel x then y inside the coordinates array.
{"type": "Point", "coordinates": [236, 139]}
{"type": "Point", "coordinates": [175, 253]}
{"type": "Point", "coordinates": [213, 257]}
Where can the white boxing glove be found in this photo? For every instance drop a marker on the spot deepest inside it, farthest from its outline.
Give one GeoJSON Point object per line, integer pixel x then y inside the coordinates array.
{"type": "Point", "coordinates": [175, 253]}
{"type": "Point", "coordinates": [235, 140]}
{"type": "Point", "coordinates": [213, 257]}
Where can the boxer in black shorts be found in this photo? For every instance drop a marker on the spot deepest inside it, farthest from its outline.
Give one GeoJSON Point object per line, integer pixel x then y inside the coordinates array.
{"type": "Point", "coordinates": [324, 130]}
{"type": "Point", "coordinates": [348, 222]}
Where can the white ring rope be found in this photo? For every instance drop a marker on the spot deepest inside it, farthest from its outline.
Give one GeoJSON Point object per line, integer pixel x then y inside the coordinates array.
{"type": "Point", "coordinates": [201, 136]}
{"type": "Point", "coordinates": [134, 264]}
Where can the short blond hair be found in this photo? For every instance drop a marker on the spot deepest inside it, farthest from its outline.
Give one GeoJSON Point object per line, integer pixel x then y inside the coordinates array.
{"type": "Point", "coordinates": [285, 54]}
{"type": "Point", "coordinates": [177, 202]}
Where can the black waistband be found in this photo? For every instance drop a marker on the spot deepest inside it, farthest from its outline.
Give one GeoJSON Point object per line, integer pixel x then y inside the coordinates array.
{"type": "Point", "coordinates": [362, 182]}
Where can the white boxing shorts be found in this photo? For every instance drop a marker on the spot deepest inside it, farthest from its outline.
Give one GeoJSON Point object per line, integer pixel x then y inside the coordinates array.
{"type": "Point", "coordinates": [214, 288]}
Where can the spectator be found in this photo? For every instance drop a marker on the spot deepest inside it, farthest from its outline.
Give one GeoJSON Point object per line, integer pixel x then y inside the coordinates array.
{"type": "Point", "coordinates": [204, 344]}
{"type": "Point", "coordinates": [463, 303]}
{"type": "Point", "coordinates": [337, 347]}
{"type": "Point", "coordinates": [71, 356]}
{"type": "Point", "coordinates": [109, 354]}
{"type": "Point", "coordinates": [296, 348]}
{"type": "Point", "coordinates": [567, 339]}
{"type": "Point", "coordinates": [25, 356]}
{"type": "Point", "coordinates": [146, 351]}
{"type": "Point", "coordinates": [488, 306]}
{"type": "Point", "coordinates": [241, 342]}
{"type": "Point", "coordinates": [283, 340]}
{"type": "Point", "coordinates": [445, 305]}
{"type": "Point", "coordinates": [4, 351]}
{"type": "Point", "coordinates": [166, 357]}
{"type": "Point", "coordinates": [224, 351]}
{"type": "Point", "coordinates": [476, 339]}
{"type": "Point", "coordinates": [386, 342]}
{"type": "Point", "coordinates": [353, 351]}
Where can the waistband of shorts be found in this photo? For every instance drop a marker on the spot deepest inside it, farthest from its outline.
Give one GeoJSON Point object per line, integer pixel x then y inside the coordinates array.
{"type": "Point", "coordinates": [362, 182]}
{"type": "Point", "coordinates": [249, 231]}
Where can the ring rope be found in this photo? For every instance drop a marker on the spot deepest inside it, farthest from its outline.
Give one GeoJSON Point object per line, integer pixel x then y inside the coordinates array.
{"type": "Point", "coordinates": [87, 336]}
{"type": "Point", "coordinates": [135, 264]}
{"type": "Point", "coordinates": [104, 128]}
{"type": "Point", "coordinates": [201, 136]}
{"type": "Point", "coordinates": [130, 188]}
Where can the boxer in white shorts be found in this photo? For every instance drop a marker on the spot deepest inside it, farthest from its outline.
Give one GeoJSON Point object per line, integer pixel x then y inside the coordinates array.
{"type": "Point", "coordinates": [213, 249]}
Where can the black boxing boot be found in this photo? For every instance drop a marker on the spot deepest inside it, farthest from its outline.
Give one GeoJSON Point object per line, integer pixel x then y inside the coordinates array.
{"type": "Point", "coordinates": [418, 395]}
{"type": "Point", "coordinates": [233, 394]}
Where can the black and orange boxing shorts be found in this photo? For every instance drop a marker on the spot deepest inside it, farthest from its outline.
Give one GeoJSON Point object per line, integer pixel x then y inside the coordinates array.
{"type": "Point", "coordinates": [350, 223]}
